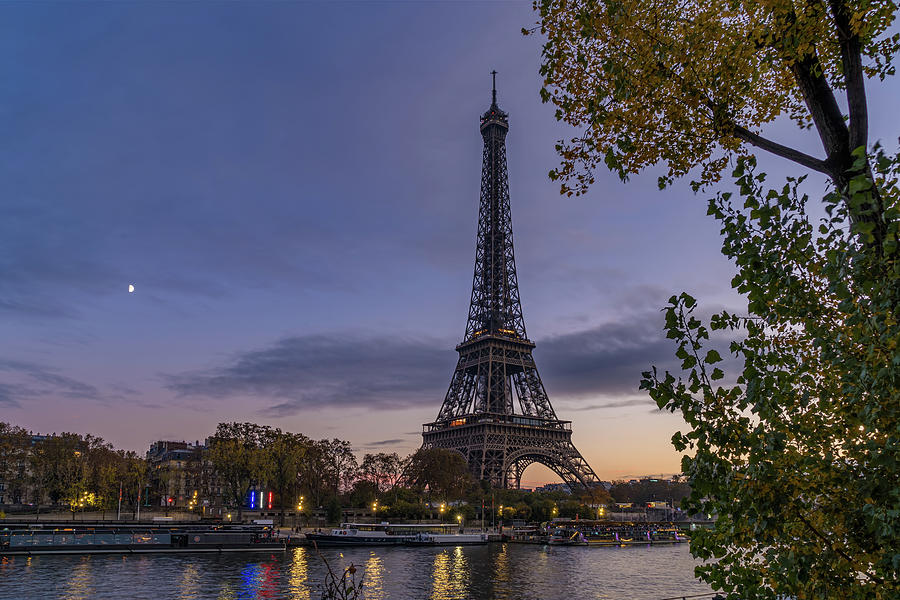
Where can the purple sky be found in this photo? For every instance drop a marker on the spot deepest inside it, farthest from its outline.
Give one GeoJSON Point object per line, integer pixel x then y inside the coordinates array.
{"type": "Point", "coordinates": [293, 190]}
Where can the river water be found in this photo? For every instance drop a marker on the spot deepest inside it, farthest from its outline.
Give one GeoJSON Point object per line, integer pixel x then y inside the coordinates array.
{"type": "Point", "coordinates": [501, 571]}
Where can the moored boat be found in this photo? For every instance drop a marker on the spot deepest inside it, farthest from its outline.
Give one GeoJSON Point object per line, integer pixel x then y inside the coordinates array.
{"type": "Point", "coordinates": [136, 539]}
{"type": "Point", "coordinates": [396, 534]}
{"type": "Point", "coordinates": [567, 536]}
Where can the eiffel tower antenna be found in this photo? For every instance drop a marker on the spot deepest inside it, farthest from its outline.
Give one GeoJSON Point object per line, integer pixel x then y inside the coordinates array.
{"type": "Point", "coordinates": [496, 412]}
{"type": "Point", "coordinates": [494, 88]}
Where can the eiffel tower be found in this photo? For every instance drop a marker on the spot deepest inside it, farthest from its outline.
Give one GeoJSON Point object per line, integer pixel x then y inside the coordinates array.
{"type": "Point", "coordinates": [496, 412]}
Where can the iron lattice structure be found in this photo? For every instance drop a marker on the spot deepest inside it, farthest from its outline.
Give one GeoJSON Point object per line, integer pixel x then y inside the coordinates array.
{"type": "Point", "coordinates": [496, 411]}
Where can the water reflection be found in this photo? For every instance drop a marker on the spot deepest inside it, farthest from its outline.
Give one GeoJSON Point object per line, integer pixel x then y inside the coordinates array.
{"type": "Point", "coordinates": [80, 581]}
{"type": "Point", "coordinates": [374, 577]}
{"type": "Point", "coordinates": [501, 565]}
{"type": "Point", "coordinates": [298, 583]}
{"type": "Point", "coordinates": [259, 581]}
{"type": "Point", "coordinates": [228, 592]}
{"type": "Point", "coordinates": [450, 577]}
{"type": "Point", "coordinates": [497, 571]}
{"type": "Point", "coordinates": [189, 583]}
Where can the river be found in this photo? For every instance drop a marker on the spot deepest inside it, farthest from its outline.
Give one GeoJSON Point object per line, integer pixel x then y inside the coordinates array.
{"type": "Point", "coordinates": [501, 571]}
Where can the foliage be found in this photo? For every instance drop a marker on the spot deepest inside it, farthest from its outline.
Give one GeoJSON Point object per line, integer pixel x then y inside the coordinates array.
{"type": "Point", "coordinates": [799, 456]}
{"type": "Point", "coordinates": [443, 472]}
{"type": "Point", "coordinates": [330, 468]}
{"type": "Point", "coordinates": [58, 466]}
{"type": "Point", "coordinates": [283, 453]}
{"type": "Point", "coordinates": [647, 490]}
{"type": "Point", "coordinates": [236, 460]}
{"type": "Point", "coordinates": [333, 511]}
{"type": "Point", "coordinates": [691, 83]}
{"type": "Point", "coordinates": [15, 444]}
{"type": "Point", "coordinates": [364, 493]}
{"type": "Point", "coordinates": [405, 510]}
{"type": "Point", "coordinates": [382, 469]}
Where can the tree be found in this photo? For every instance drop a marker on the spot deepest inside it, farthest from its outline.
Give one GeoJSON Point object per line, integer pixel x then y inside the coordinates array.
{"type": "Point", "coordinates": [133, 476]}
{"type": "Point", "coordinates": [799, 456]}
{"type": "Point", "coordinates": [15, 443]}
{"type": "Point", "coordinates": [382, 469]}
{"type": "Point", "coordinates": [334, 514]}
{"type": "Point", "coordinates": [444, 472]}
{"type": "Point", "coordinates": [338, 466]}
{"type": "Point", "coordinates": [284, 452]}
{"type": "Point", "coordinates": [364, 493]}
{"type": "Point", "coordinates": [648, 490]}
{"type": "Point", "coordinates": [629, 75]}
{"type": "Point", "coordinates": [57, 467]}
{"type": "Point", "coordinates": [238, 460]}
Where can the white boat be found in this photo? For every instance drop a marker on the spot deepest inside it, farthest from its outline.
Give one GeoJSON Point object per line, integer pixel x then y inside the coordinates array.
{"type": "Point", "coordinates": [396, 534]}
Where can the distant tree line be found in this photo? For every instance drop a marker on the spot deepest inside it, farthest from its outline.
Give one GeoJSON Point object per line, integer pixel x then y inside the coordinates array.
{"type": "Point", "coordinates": [650, 490]}
{"type": "Point", "coordinates": [67, 469]}
{"type": "Point", "coordinates": [289, 473]}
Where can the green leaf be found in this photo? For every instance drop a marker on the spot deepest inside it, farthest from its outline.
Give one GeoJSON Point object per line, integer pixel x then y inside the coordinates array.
{"type": "Point", "coordinates": [712, 357]}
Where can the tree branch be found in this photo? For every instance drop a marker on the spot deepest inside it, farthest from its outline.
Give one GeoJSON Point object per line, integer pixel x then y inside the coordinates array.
{"type": "Point", "coordinates": [810, 162]}
{"type": "Point", "coordinates": [851, 57]}
{"type": "Point", "coordinates": [837, 550]}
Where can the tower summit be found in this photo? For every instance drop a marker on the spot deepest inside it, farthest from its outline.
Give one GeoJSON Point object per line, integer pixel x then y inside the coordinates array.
{"type": "Point", "coordinates": [496, 412]}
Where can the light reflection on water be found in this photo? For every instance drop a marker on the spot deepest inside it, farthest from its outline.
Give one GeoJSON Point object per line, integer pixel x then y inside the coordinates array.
{"type": "Point", "coordinates": [450, 578]}
{"type": "Point", "coordinates": [189, 583]}
{"type": "Point", "coordinates": [501, 568]}
{"type": "Point", "coordinates": [299, 573]}
{"type": "Point", "coordinates": [496, 572]}
{"type": "Point", "coordinates": [79, 581]}
{"type": "Point", "coordinates": [373, 574]}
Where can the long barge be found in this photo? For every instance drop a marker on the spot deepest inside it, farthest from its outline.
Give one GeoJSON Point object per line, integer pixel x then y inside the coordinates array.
{"type": "Point", "coordinates": [396, 534]}
{"type": "Point", "coordinates": [600, 533]}
{"type": "Point", "coordinates": [136, 539]}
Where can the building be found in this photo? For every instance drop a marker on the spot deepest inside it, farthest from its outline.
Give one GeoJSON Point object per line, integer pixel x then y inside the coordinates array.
{"type": "Point", "coordinates": [178, 477]}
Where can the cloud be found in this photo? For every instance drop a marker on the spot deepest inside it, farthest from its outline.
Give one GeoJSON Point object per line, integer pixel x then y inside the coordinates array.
{"type": "Point", "coordinates": [383, 443]}
{"type": "Point", "coordinates": [9, 392]}
{"type": "Point", "coordinates": [607, 360]}
{"type": "Point", "coordinates": [383, 372]}
{"type": "Point", "coordinates": [616, 404]}
{"type": "Point", "coordinates": [604, 360]}
{"type": "Point", "coordinates": [318, 371]}
{"type": "Point", "coordinates": [42, 381]}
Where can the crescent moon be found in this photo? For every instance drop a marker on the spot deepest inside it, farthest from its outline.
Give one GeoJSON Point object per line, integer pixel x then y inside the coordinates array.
{"type": "Point", "coordinates": [130, 288]}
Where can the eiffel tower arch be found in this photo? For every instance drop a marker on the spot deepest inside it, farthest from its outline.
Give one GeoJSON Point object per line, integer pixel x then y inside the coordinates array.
{"type": "Point", "coordinates": [496, 412]}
